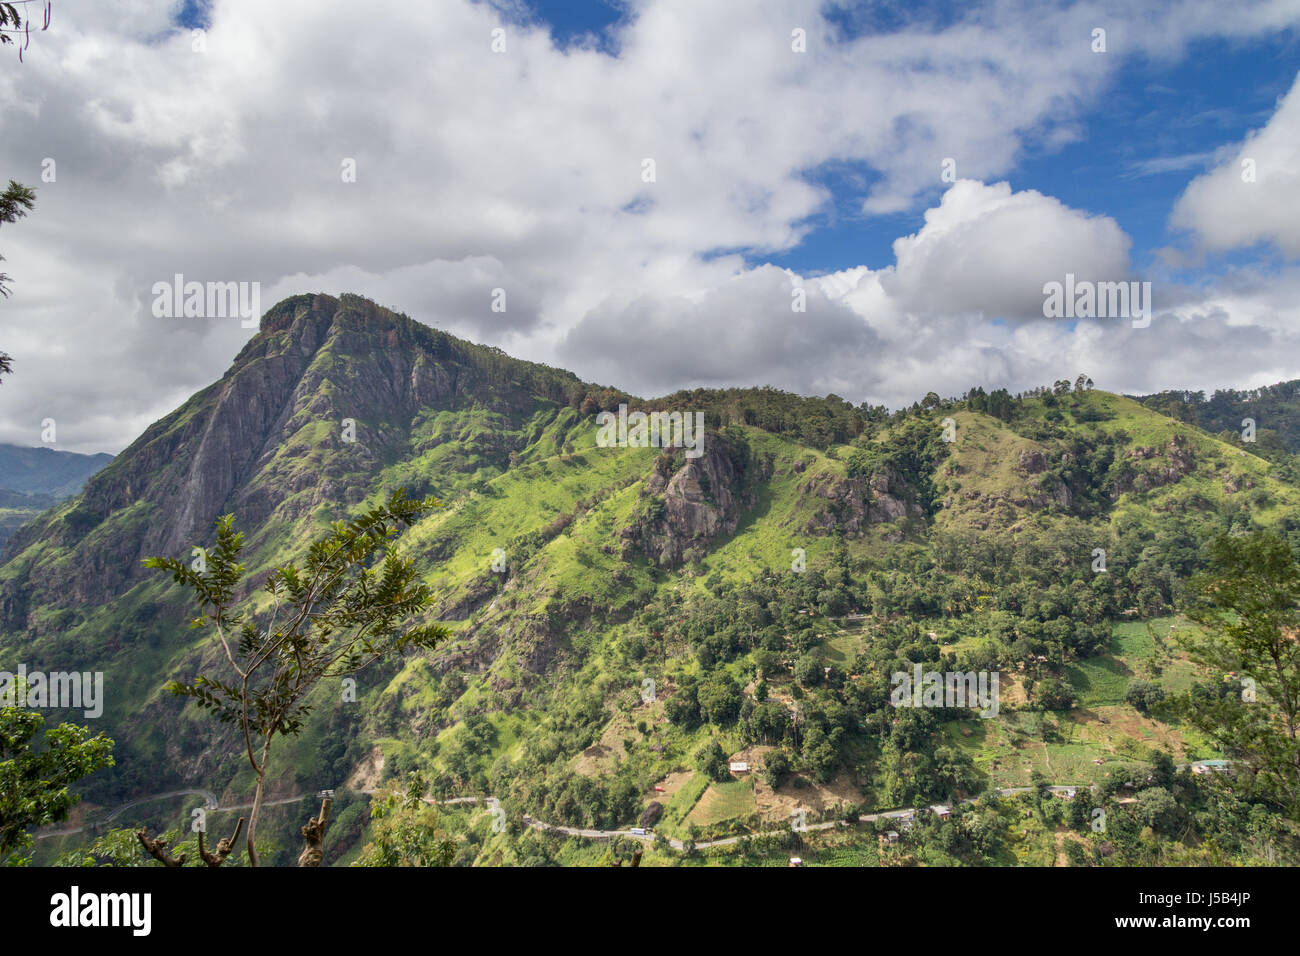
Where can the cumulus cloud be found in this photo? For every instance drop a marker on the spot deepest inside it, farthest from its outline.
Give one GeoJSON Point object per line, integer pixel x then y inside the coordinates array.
{"type": "Point", "coordinates": [1253, 195]}
{"type": "Point", "coordinates": [985, 249]}
{"type": "Point", "coordinates": [935, 319]}
{"type": "Point", "coordinates": [764, 326]}
{"type": "Point", "coordinates": [462, 294]}
{"type": "Point", "coordinates": [224, 161]}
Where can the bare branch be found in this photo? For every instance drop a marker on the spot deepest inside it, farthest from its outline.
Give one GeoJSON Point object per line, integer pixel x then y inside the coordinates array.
{"type": "Point", "coordinates": [157, 848]}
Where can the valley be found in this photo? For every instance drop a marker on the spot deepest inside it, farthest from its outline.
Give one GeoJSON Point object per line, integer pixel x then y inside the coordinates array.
{"type": "Point", "coordinates": [699, 642]}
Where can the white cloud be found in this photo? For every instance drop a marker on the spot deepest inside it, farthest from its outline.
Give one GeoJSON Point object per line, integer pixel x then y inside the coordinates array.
{"type": "Point", "coordinates": [1225, 210]}
{"type": "Point", "coordinates": [744, 332]}
{"type": "Point", "coordinates": [933, 320]}
{"type": "Point", "coordinates": [522, 169]}
{"type": "Point", "coordinates": [985, 249]}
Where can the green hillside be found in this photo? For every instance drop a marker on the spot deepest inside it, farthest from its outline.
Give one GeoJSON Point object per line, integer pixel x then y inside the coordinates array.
{"type": "Point", "coordinates": [622, 615]}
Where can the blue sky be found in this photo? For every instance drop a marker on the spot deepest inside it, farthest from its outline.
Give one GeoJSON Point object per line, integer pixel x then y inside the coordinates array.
{"type": "Point", "coordinates": [194, 13]}
{"type": "Point", "coordinates": [1159, 124]}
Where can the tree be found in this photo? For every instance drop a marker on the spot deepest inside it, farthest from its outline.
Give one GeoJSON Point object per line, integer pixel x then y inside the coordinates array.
{"type": "Point", "coordinates": [118, 847]}
{"type": "Point", "coordinates": [808, 670]}
{"type": "Point", "coordinates": [953, 773]}
{"type": "Point", "coordinates": [15, 202]}
{"type": "Point", "coordinates": [1143, 695]}
{"type": "Point", "coordinates": [1247, 602]}
{"type": "Point", "coordinates": [683, 708]}
{"type": "Point", "coordinates": [34, 786]}
{"type": "Point", "coordinates": [775, 766]}
{"type": "Point", "coordinates": [1052, 693]}
{"type": "Point", "coordinates": [12, 24]}
{"type": "Point", "coordinates": [1157, 808]}
{"type": "Point", "coordinates": [719, 700]}
{"type": "Point", "coordinates": [711, 761]}
{"type": "Point", "coordinates": [1163, 768]}
{"type": "Point", "coordinates": [768, 662]}
{"type": "Point", "coordinates": [405, 830]}
{"type": "Point", "coordinates": [819, 753]}
{"type": "Point", "coordinates": [1074, 852]}
{"type": "Point", "coordinates": [345, 608]}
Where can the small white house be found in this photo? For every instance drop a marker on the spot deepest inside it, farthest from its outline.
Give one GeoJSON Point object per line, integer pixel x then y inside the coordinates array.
{"type": "Point", "coordinates": [738, 766]}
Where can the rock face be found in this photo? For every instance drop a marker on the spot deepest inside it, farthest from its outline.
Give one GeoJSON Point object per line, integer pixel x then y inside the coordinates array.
{"type": "Point", "coordinates": [1178, 461]}
{"type": "Point", "coordinates": [1032, 462]}
{"type": "Point", "coordinates": [652, 813]}
{"type": "Point", "coordinates": [851, 504]}
{"type": "Point", "coordinates": [690, 501]}
{"type": "Point", "coordinates": [842, 504]}
{"type": "Point", "coordinates": [886, 504]}
{"type": "Point", "coordinates": [267, 440]}
{"type": "Point", "coordinates": [1235, 483]}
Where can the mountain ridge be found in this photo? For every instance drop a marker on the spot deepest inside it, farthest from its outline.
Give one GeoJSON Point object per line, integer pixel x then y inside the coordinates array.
{"type": "Point", "coordinates": [606, 550]}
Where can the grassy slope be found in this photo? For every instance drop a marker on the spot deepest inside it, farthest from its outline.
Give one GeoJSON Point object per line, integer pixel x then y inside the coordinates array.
{"type": "Point", "coordinates": [487, 508]}
{"type": "Point", "coordinates": [987, 454]}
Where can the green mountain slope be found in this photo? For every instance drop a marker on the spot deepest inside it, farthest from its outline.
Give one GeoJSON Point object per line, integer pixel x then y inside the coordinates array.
{"type": "Point", "coordinates": [616, 609]}
{"type": "Point", "coordinates": [1275, 410]}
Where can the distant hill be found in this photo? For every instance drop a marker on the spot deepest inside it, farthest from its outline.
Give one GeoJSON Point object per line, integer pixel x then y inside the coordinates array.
{"type": "Point", "coordinates": [45, 471]}
{"type": "Point", "coordinates": [34, 479]}
{"type": "Point", "coordinates": [1274, 408]}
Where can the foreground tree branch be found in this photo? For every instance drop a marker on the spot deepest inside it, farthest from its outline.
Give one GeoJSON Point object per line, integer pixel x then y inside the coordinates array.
{"type": "Point", "coordinates": [352, 601]}
{"type": "Point", "coordinates": [157, 848]}
{"type": "Point", "coordinates": [314, 833]}
{"type": "Point", "coordinates": [224, 846]}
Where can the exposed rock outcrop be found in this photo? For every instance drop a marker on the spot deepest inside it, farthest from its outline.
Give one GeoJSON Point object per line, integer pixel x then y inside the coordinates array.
{"type": "Point", "coordinates": [1178, 461]}
{"type": "Point", "coordinates": [1032, 462]}
{"type": "Point", "coordinates": [267, 441]}
{"type": "Point", "coordinates": [689, 501]}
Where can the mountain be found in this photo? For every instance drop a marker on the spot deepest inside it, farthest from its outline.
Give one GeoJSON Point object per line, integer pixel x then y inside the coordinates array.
{"type": "Point", "coordinates": [45, 471]}
{"type": "Point", "coordinates": [1275, 410]}
{"type": "Point", "coordinates": [33, 479]}
{"type": "Point", "coordinates": [655, 606]}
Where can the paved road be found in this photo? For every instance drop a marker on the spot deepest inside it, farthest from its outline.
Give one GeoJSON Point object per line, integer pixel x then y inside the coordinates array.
{"type": "Point", "coordinates": [209, 802]}
{"type": "Point", "coordinates": [899, 814]}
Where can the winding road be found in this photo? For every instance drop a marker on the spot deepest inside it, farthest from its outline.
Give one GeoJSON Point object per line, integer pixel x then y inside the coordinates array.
{"type": "Point", "coordinates": [901, 814]}
{"type": "Point", "coordinates": [210, 802]}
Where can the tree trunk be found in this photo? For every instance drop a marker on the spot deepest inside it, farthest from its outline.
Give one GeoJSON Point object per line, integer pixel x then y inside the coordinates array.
{"type": "Point", "coordinates": [252, 820]}
{"type": "Point", "coordinates": [257, 805]}
{"type": "Point", "coordinates": [314, 834]}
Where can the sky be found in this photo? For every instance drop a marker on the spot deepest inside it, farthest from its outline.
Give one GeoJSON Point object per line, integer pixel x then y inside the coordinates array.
{"type": "Point", "coordinates": [915, 173]}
